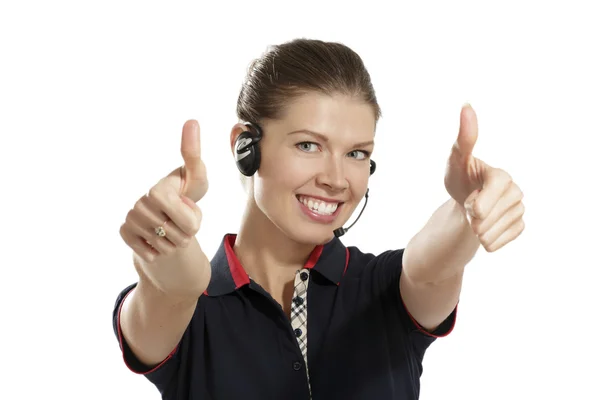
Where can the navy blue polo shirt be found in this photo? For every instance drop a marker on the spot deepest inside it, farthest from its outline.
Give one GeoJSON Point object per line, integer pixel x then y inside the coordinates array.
{"type": "Point", "coordinates": [362, 342]}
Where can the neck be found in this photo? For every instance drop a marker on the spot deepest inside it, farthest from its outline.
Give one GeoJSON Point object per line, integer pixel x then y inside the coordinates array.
{"type": "Point", "coordinates": [268, 256]}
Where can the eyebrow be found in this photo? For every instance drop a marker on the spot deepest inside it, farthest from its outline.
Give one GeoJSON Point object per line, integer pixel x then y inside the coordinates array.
{"type": "Point", "coordinates": [326, 139]}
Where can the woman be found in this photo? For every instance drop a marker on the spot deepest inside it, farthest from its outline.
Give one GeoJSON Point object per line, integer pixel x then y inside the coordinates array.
{"type": "Point", "coordinates": [284, 310]}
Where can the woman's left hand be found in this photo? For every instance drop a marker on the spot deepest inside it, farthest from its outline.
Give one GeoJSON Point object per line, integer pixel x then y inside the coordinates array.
{"type": "Point", "coordinates": [491, 199]}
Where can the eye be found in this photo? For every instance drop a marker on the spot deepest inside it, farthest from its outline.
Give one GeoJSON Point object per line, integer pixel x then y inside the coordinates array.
{"type": "Point", "coordinates": [307, 146]}
{"type": "Point", "coordinates": [359, 154]}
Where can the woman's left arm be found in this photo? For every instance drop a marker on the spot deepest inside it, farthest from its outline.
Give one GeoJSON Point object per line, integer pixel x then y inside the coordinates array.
{"type": "Point", "coordinates": [485, 209]}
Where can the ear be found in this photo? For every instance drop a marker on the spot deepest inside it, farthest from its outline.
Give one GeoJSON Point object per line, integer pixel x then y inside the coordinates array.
{"type": "Point", "coordinates": [235, 132]}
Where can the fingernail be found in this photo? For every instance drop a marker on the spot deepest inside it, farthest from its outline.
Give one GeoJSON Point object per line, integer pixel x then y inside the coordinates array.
{"type": "Point", "coordinates": [469, 209]}
{"type": "Point", "coordinates": [469, 218]}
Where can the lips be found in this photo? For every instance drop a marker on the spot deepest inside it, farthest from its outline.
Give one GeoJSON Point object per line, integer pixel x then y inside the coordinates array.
{"type": "Point", "coordinates": [319, 206]}
{"type": "Point", "coordinates": [319, 210]}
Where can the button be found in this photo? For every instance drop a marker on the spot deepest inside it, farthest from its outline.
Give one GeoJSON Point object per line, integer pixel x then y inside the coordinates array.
{"type": "Point", "coordinates": [298, 332]}
{"type": "Point", "coordinates": [304, 275]}
{"type": "Point", "coordinates": [298, 300]}
{"type": "Point", "coordinates": [297, 366]}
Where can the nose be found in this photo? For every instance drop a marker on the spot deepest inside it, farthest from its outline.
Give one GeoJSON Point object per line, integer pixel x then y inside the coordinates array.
{"type": "Point", "coordinates": [333, 175]}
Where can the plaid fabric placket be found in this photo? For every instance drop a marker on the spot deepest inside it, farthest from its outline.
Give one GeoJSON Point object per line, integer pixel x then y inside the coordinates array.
{"type": "Point", "coordinates": [299, 315]}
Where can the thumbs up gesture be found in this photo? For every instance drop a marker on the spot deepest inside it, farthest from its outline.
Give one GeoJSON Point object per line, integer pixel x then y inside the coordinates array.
{"type": "Point", "coordinates": [167, 217]}
{"type": "Point", "coordinates": [190, 179]}
{"type": "Point", "coordinates": [491, 199]}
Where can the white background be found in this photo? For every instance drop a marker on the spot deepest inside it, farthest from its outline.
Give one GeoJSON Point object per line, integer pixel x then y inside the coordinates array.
{"type": "Point", "coordinates": [93, 96]}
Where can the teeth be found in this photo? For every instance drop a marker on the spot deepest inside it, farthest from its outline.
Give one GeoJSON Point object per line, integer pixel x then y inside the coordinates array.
{"type": "Point", "coordinates": [319, 206]}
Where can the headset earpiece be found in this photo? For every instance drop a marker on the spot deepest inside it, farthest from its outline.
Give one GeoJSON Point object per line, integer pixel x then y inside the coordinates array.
{"type": "Point", "coordinates": [247, 150]}
{"type": "Point", "coordinates": [372, 168]}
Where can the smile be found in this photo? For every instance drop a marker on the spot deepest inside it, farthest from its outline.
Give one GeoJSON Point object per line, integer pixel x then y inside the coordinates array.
{"type": "Point", "coordinates": [319, 206]}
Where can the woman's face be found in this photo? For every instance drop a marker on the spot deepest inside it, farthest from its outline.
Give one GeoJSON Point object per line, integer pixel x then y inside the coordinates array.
{"type": "Point", "coordinates": [315, 165]}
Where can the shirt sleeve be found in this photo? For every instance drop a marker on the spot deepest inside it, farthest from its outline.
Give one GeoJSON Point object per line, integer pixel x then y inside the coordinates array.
{"type": "Point", "coordinates": [388, 269]}
{"type": "Point", "coordinates": [163, 375]}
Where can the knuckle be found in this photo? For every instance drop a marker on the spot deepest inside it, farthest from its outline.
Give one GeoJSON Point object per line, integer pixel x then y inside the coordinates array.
{"type": "Point", "coordinates": [202, 174]}
{"type": "Point", "coordinates": [124, 234]}
{"type": "Point", "coordinates": [189, 227]}
{"type": "Point", "coordinates": [154, 193]}
{"type": "Point", "coordinates": [517, 191]}
{"type": "Point", "coordinates": [192, 223]}
{"type": "Point", "coordinates": [477, 228]}
{"type": "Point", "coordinates": [185, 242]}
{"type": "Point", "coordinates": [505, 176]}
{"type": "Point", "coordinates": [129, 217]}
{"type": "Point", "coordinates": [196, 224]}
{"type": "Point", "coordinates": [477, 231]}
{"type": "Point", "coordinates": [172, 197]}
{"type": "Point", "coordinates": [478, 210]}
{"type": "Point", "coordinates": [140, 204]}
{"type": "Point", "coordinates": [484, 239]}
{"type": "Point", "coordinates": [485, 242]}
{"type": "Point", "coordinates": [148, 256]}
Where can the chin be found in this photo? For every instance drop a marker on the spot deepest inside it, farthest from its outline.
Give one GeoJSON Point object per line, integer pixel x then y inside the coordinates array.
{"type": "Point", "coordinates": [310, 234]}
{"type": "Point", "coordinates": [312, 240]}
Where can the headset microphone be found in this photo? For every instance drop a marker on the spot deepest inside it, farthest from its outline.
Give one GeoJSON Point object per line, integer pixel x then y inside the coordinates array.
{"type": "Point", "coordinates": [341, 231]}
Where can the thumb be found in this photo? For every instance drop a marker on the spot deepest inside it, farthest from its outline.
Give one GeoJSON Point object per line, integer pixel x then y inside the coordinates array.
{"type": "Point", "coordinates": [467, 133]}
{"type": "Point", "coordinates": [194, 183]}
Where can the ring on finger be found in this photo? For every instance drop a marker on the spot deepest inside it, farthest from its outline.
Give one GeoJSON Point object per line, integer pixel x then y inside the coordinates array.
{"type": "Point", "coordinates": [160, 230]}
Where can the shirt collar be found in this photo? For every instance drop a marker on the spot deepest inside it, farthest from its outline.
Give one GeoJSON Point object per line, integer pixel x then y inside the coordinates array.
{"type": "Point", "coordinates": [228, 275]}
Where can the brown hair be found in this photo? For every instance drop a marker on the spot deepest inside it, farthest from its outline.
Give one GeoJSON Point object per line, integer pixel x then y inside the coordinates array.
{"type": "Point", "coordinates": [294, 68]}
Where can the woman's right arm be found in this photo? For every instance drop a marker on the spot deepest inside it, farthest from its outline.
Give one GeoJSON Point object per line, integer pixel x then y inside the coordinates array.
{"type": "Point", "coordinates": [173, 270]}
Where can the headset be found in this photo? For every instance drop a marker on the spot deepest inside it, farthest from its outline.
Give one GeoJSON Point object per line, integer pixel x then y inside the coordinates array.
{"type": "Point", "coordinates": [247, 158]}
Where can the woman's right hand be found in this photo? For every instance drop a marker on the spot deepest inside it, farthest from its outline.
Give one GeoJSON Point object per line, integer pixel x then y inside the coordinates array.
{"type": "Point", "coordinates": [173, 269]}
{"type": "Point", "coordinates": [170, 204]}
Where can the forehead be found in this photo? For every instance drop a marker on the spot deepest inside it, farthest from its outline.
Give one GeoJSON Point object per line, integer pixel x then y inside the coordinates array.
{"type": "Point", "coordinates": [337, 117]}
